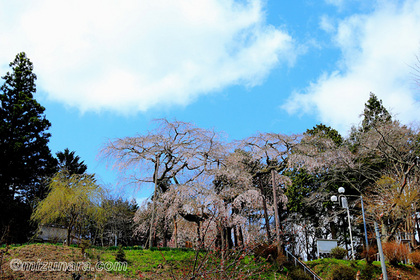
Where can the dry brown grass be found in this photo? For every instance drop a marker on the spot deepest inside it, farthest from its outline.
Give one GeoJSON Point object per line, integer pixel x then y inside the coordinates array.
{"type": "Point", "coordinates": [49, 253]}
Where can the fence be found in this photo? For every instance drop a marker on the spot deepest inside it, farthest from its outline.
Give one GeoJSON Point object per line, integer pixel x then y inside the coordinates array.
{"type": "Point", "coordinates": [305, 268]}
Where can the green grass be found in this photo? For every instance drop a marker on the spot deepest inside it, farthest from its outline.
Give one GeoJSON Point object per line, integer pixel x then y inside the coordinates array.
{"type": "Point", "coordinates": [178, 263]}
{"type": "Point", "coordinates": [325, 267]}
{"type": "Point", "coordinates": [146, 260]}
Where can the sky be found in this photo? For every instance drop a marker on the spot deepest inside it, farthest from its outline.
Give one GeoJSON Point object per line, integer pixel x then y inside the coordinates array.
{"type": "Point", "coordinates": [106, 69]}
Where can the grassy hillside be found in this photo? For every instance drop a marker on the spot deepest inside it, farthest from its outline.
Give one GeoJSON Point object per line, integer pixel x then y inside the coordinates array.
{"type": "Point", "coordinates": [97, 263]}
{"type": "Point", "coordinates": [142, 264]}
{"type": "Point", "coordinates": [37, 255]}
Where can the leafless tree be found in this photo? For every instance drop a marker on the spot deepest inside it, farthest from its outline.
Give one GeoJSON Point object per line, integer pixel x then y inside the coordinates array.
{"type": "Point", "coordinates": [396, 148]}
{"type": "Point", "coordinates": [173, 153]}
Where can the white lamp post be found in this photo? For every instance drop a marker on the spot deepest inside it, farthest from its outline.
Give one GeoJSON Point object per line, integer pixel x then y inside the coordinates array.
{"type": "Point", "coordinates": [344, 204]}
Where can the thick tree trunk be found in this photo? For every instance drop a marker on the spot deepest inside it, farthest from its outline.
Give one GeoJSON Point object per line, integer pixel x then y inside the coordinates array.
{"type": "Point", "coordinates": [235, 237]}
{"type": "Point", "coordinates": [333, 229]}
{"type": "Point", "coordinates": [267, 220]}
{"type": "Point", "coordinates": [229, 237]}
{"type": "Point", "coordinates": [69, 230]}
{"type": "Point", "coordinates": [384, 228]}
{"type": "Point", "coordinates": [70, 227]}
{"type": "Point", "coordinates": [152, 220]}
{"type": "Point", "coordinates": [276, 212]}
{"type": "Point", "coordinates": [218, 242]}
{"type": "Point", "coordinates": [165, 237]}
{"type": "Point", "coordinates": [175, 232]}
{"type": "Point", "coordinates": [412, 231]}
{"type": "Point", "coordinates": [198, 235]}
{"type": "Point", "coordinates": [241, 236]}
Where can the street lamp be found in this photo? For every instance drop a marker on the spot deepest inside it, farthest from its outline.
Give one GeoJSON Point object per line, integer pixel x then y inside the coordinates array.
{"type": "Point", "coordinates": [344, 204]}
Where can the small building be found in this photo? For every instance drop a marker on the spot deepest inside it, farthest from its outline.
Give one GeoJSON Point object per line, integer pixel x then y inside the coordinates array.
{"type": "Point", "coordinates": [324, 246]}
{"type": "Point", "coordinates": [50, 233]}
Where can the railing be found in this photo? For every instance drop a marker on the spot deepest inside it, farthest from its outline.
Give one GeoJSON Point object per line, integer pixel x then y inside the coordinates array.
{"type": "Point", "coordinates": [303, 265]}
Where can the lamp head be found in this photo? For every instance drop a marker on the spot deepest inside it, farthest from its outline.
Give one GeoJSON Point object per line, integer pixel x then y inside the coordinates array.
{"type": "Point", "coordinates": [341, 190]}
{"type": "Point", "coordinates": [334, 198]}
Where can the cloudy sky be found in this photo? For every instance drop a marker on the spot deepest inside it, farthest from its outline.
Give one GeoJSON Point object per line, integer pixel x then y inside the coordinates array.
{"type": "Point", "coordinates": [107, 68]}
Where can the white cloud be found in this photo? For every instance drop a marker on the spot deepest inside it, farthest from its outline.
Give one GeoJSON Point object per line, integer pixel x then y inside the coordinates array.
{"type": "Point", "coordinates": [378, 53]}
{"type": "Point", "coordinates": [132, 55]}
{"type": "Point", "coordinates": [337, 3]}
{"type": "Point", "coordinates": [327, 24]}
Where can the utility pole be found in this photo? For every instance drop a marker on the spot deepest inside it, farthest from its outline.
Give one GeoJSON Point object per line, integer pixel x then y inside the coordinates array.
{"type": "Point", "coordinates": [380, 251]}
{"type": "Point", "coordinates": [364, 225]}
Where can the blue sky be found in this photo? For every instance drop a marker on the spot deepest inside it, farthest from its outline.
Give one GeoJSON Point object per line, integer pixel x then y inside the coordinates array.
{"type": "Point", "coordinates": [107, 68]}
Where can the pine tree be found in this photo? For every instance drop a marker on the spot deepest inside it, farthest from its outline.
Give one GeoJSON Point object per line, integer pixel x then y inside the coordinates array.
{"type": "Point", "coordinates": [69, 161]}
{"type": "Point", "coordinates": [25, 158]}
{"type": "Point", "coordinates": [374, 113]}
{"type": "Point", "coordinates": [326, 132]}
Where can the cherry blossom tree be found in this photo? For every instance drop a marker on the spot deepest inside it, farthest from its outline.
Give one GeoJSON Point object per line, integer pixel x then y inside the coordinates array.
{"type": "Point", "coordinates": [173, 153]}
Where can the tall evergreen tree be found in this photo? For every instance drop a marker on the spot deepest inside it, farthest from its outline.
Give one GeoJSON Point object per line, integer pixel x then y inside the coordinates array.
{"type": "Point", "coordinates": [326, 132]}
{"type": "Point", "coordinates": [68, 161]}
{"type": "Point", "coordinates": [374, 113]}
{"type": "Point", "coordinates": [25, 158]}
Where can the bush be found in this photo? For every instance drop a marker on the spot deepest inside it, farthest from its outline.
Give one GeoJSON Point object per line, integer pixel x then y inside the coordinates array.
{"type": "Point", "coordinates": [84, 244]}
{"type": "Point", "coordinates": [265, 251]}
{"type": "Point", "coordinates": [415, 258]}
{"type": "Point", "coordinates": [299, 274]}
{"type": "Point", "coordinates": [120, 255]}
{"type": "Point", "coordinates": [338, 253]}
{"type": "Point", "coordinates": [281, 259]}
{"type": "Point", "coordinates": [342, 272]}
{"type": "Point", "coordinates": [370, 254]}
{"type": "Point", "coordinates": [368, 272]}
{"type": "Point", "coordinates": [395, 252]}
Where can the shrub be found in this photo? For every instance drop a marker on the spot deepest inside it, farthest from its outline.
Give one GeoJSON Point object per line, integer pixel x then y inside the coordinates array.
{"type": "Point", "coordinates": [395, 252]}
{"type": "Point", "coordinates": [268, 252]}
{"type": "Point", "coordinates": [84, 244]}
{"type": "Point", "coordinates": [299, 274]}
{"type": "Point", "coordinates": [338, 253]}
{"type": "Point", "coordinates": [368, 272]}
{"type": "Point", "coordinates": [120, 255]}
{"type": "Point", "coordinates": [342, 272]}
{"type": "Point", "coordinates": [370, 254]}
{"type": "Point", "coordinates": [415, 258]}
{"type": "Point", "coordinates": [281, 259]}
